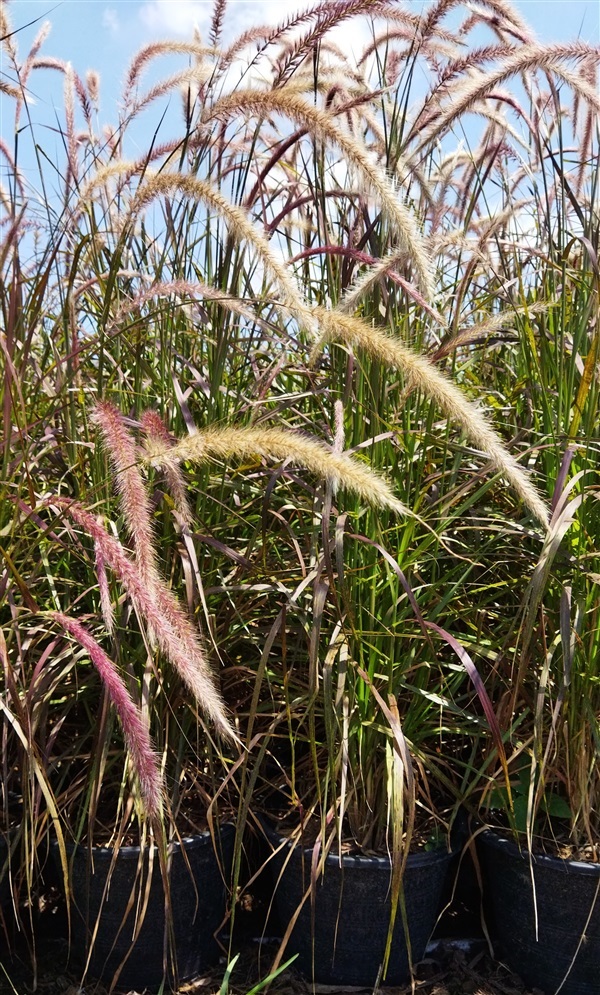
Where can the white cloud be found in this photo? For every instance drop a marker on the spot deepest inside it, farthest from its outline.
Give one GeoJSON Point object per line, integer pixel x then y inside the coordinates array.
{"type": "Point", "coordinates": [178, 17]}
{"type": "Point", "coordinates": [181, 16]}
{"type": "Point", "coordinates": [110, 20]}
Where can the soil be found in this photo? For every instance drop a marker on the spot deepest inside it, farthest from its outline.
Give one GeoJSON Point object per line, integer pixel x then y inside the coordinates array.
{"type": "Point", "coordinates": [426, 835]}
{"type": "Point", "coordinates": [555, 842]}
{"type": "Point", "coordinates": [448, 969]}
{"type": "Point", "coordinates": [191, 821]}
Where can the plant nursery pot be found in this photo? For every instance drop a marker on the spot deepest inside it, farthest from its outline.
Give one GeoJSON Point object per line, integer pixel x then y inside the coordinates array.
{"type": "Point", "coordinates": [11, 818]}
{"type": "Point", "coordinates": [5, 893]}
{"type": "Point", "coordinates": [102, 890]}
{"type": "Point", "coordinates": [351, 913]}
{"type": "Point", "coordinates": [565, 953]}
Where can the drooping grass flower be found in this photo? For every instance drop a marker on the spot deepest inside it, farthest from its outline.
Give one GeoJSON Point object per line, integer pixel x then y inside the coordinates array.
{"type": "Point", "coordinates": [195, 189]}
{"type": "Point", "coordinates": [185, 289]}
{"type": "Point", "coordinates": [106, 605]}
{"type": "Point", "coordinates": [176, 636]}
{"type": "Point", "coordinates": [321, 124]}
{"type": "Point", "coordinates": [157, 434]}
{"type": "Point", "coordinates": [137, 738]}
{"type": "Point", "coordinates": [423, 375]}
{"type": "Point", "coordinates": [246, 442]}
{"type": "Point", "coordinates": [149, 52]}
{"type": "Point", "coordinates": [135, 505]}
{"type": "Point", "coordinates": [547, 58]}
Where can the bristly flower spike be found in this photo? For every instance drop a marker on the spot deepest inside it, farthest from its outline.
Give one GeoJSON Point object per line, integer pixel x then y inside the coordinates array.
{"type": "Point", "coordinates": [135, 505]}
{"type": "Point", "coordinates": [135, 733]}
{"type": "Point", "coordinates": [177, 637]}
{"type": "Point", "coordinates": [423, 375]}
{"type": "Point", "coordinates": [157, 433]}
{"type": "Point", "coordinates": [246, 442]}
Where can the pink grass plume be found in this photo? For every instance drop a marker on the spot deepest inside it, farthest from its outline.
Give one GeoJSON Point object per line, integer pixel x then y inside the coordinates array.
{"type": "Point", "coordinates": [135, 733]}
{"type": "Point", "coordinates": [177, 637]}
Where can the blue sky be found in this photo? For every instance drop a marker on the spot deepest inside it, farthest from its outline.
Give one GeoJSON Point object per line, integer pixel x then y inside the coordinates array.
{"type": "Point", "coordinates": [105, 34]}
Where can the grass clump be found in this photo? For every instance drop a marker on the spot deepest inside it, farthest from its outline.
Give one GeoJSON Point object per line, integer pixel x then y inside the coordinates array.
{"type": "Point", "coordinates": [249, 534]}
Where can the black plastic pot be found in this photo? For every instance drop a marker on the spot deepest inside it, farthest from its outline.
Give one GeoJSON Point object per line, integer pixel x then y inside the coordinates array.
{"type": "Point", "coordinates": [5, 892]}
{"type": "Point", "coordinates": [108, 892]}
{"type": "Point", "coordinates": [8, 840]}
{"type": "Point", "coordinates": [352, 912]}
{"type": "Point", "coordinates": [567, 899]}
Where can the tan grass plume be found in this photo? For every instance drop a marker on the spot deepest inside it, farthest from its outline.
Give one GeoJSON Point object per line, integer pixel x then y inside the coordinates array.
{"type": "Point", "coordinates": [157, 185]}
{"type": "Point", "coordinates": [149, 52]}
{"type": "Point", "coordinates": [321, 124]}
{"type": "Point", "coordinates": [185, 289]}
{"type": "Point", "coordinates": [196, 75]}
{"type": "Point", "coordinates": [423, 375]}
{"type": "Point", "coordinates": [526, 59]}
{"type": "Point", "coordinates": [372, 276]}
{"type": "Point", "coordinates": [248, 442]}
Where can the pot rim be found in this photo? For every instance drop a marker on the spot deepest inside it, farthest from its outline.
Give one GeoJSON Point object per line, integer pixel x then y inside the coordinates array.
{"type": "Point", "coordinates": [358, 860]}
{"type": "Point", "coordinates": [496, 838]}
{"type": "Point", "coordinates": [132, 851]}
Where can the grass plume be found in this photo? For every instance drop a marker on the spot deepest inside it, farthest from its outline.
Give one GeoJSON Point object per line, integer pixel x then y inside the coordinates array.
{"type": "Point", "coordinates": [135, 505]}
{"type": "Point", "coordinates": [321, 124]}
{"type": "Point", "coordinates": [462, 97]}
{"type": "Point", "coordinates": [157, 434]}
{"type": "Point", "coordinates": [164, 184]}
{"type": "Point", "coordinates": [143, 757]}
{"type": "Point", "coordinates": [247, 442]}
{"type": "Point", "coordinates": [423, 375]}
{"type": "Point", "coordinates": [175, 634]}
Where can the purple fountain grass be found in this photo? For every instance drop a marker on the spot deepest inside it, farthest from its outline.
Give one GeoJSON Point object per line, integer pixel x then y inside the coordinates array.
{"type": "Point", "coordinates": [216, 23]}
{"type": "Point", "coordinates": [135, 505]}
{"type": "Point", "coordinates": [149, 52]}
{"type": "Point", "coordinates": [197, 74]}
{"type": "Point", "coordinates": [69, 99]}
{"type": "Point", "coordinates": [92, 79]}
{"type": "Point", "coordinates": [322, 125]}
{"type": "Point", "coordinates": [105, 601]}
{"type": "Point", "coordinates": [462, 98]}
{"type": "Point", "coordinates": [175, 634]}
{"type": "Point", "coordinates": [137, 738]}
{"type": "Point", "coordinates": [421, 374]}
{"type": "Point", "coordinates": [156, 431]}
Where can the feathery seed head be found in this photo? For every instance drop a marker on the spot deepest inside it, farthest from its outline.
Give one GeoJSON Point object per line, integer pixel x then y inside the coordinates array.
{"type": "Point", "coordinates": [322, 125]}
{"type": "Point", "coordinates": [154, 49]}
{"type": "Point", "coordinates": [135, 505]}
{"type": "Point", "coordinates": [155, 430]}
{"type": "Point", "coordinates": [105, 600]}
{"type": "Point", "coordinates": [143, 757]}
{"type": "Point", "coordinates": [527, 58]}
{"type": "Point", "coordinates": [423, 375]}
{"type": "Point", "coordinates": [155, 185]}
{"type": "Point", "coordinates": [177, 637]}
{"type": "Point", "coordinates": [279, 444]}
{"type": "Point", "coordinates": [92, 79]}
